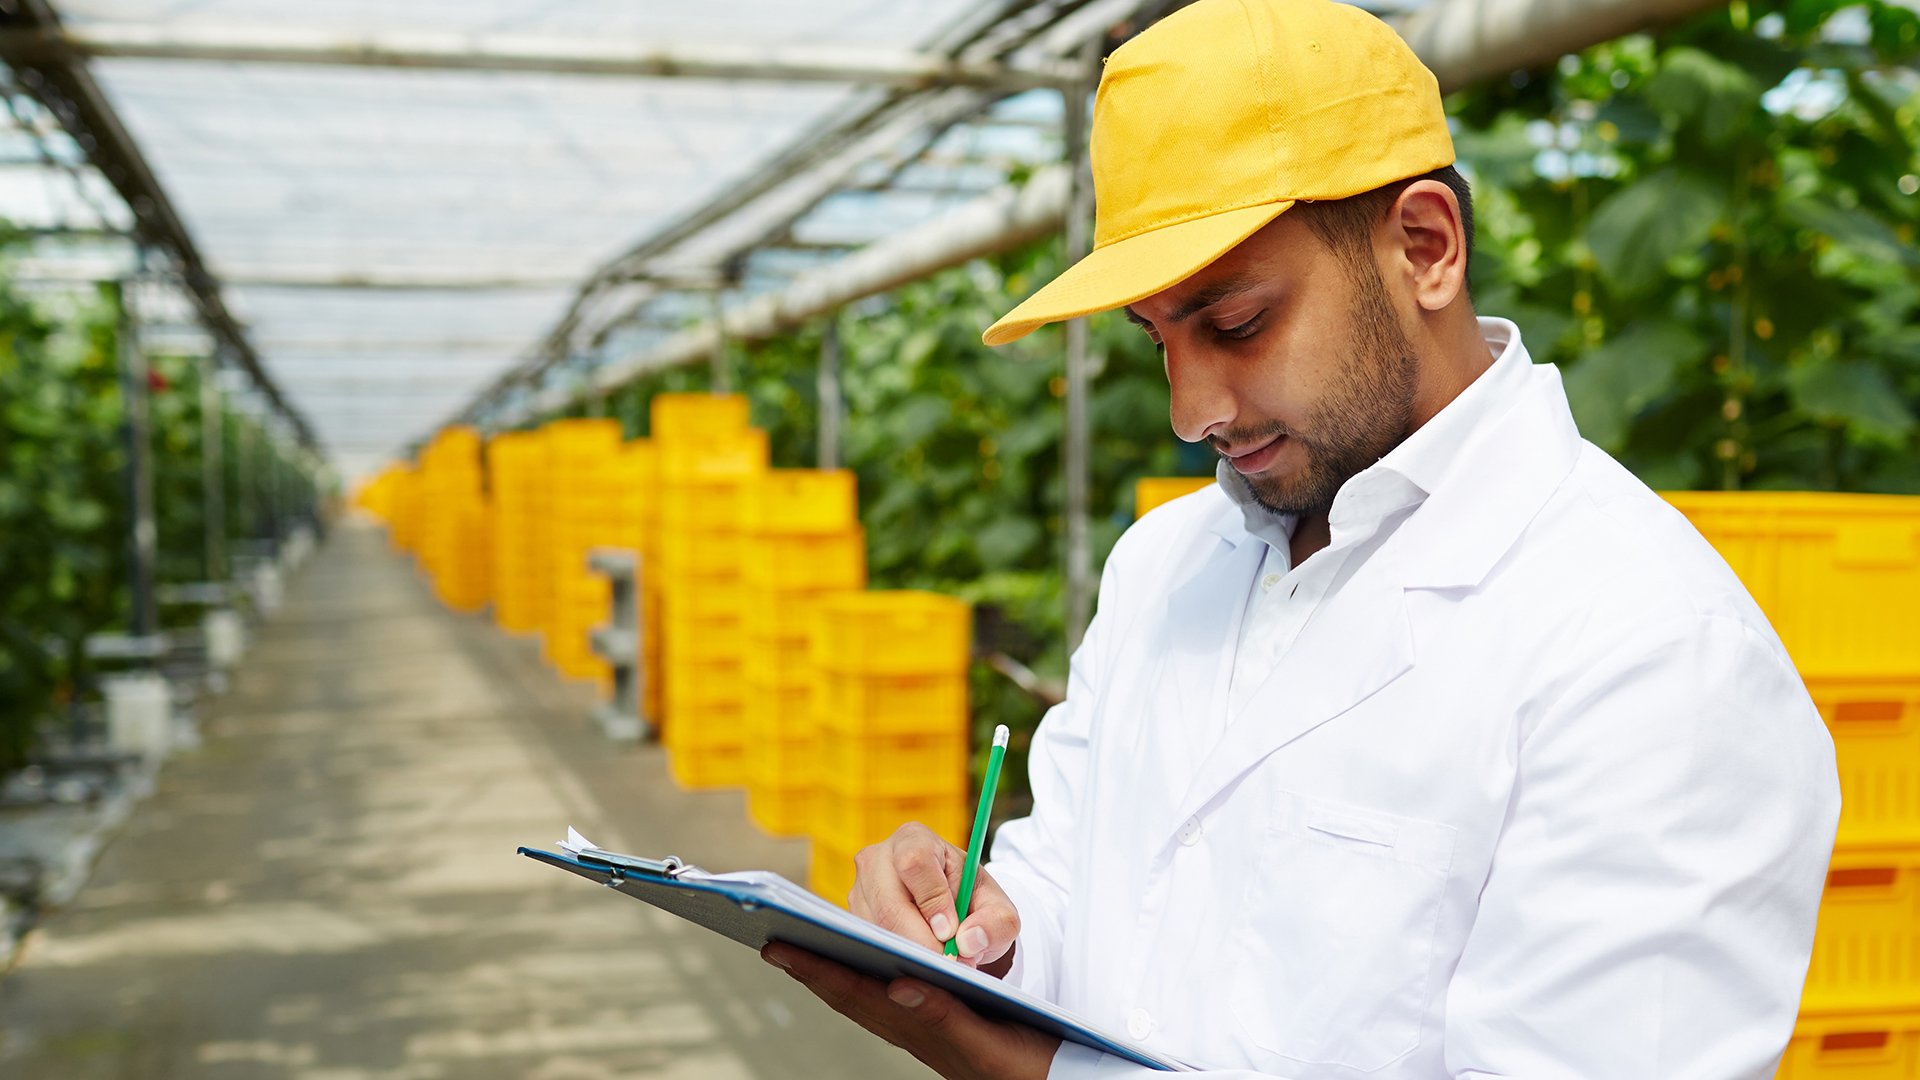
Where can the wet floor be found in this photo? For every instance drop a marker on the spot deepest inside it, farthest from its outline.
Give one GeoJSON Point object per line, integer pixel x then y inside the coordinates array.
{"type": "Point", "coordinates": [328, 891]}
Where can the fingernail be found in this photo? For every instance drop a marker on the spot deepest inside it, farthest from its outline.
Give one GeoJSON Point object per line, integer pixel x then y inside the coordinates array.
{"type": "Point", "coordinates": [778, 960]}
{"type": "Point", "coordinates": [908, 997]}
{"type": "Point", "coordinates": [973, 940]}
{"type": "Point", "coordinates": [942, 926]}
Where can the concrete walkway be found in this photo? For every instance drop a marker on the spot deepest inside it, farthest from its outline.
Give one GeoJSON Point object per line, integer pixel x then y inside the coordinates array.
{"type": "Point", "coordinates": [328, 890]}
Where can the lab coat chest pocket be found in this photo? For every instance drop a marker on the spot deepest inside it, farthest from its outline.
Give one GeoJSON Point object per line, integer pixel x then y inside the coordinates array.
{"type": "Point", "coordinates": [1336, 937]}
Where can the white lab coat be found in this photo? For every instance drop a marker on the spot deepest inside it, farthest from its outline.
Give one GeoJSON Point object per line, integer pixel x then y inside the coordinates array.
{"type": "Point", "coordinates": [1535, 794]}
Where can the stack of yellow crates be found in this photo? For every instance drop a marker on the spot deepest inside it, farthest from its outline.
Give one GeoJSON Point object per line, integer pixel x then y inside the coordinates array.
{"type": "Point", "coordinates": [635, 481]}
{"type": "Point", "coordinates": [406, 508]}
{"type": "Point", "coordinates": [804, 543]}
{"type": "Point", "coordinates": [453, 520]}
{"type": "Point", "coordinates": [1839, 577]}
{"type": "Point", "coordinates": [376, 496]}
{"type": "Point", "coordinates": [891, 704]}
{"type": "Point", "coordinates": [517, 482]}
{"type": "Point", "coordinates": [708, 457]}
{"type": "Point", "coordinates": [583, 513]}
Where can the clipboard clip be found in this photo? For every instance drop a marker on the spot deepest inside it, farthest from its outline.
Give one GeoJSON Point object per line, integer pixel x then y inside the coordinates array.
{"type": "Point", "coordinates": [621, 867]}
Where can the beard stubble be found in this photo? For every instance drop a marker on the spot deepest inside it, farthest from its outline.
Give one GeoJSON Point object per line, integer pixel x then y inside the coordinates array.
{"type": "Point", "coordinates": [1365, 414]}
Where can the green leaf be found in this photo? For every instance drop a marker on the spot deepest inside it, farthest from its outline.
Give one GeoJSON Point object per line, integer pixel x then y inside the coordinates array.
{"type": "Point", "coordinates": [1851, 392]}
{"type": "Point", "coordinates": [1612, 384]}
{"type": "Point", "coordinates": [1638, 228]}
{"type": "Point", "coordinates": [1003, 543]}
{"type": "Point", "coordinates": [1856, 229]}
{"type": "Point", "coordinates": [1694, 86]}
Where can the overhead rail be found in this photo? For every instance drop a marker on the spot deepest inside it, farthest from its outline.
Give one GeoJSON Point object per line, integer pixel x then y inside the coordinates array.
{"type": "Point", "coordinates": [65, 87]}
{"type": "Point", "coordinates": [756, 212]}
{"type": "Point", "coordinates": [1461, 41]}
{"type": "Point", "coordinates": [605, 56]}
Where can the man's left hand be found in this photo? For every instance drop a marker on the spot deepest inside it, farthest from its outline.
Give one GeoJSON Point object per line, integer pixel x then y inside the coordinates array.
{"type": "Point", "coordinates": [928, 1023]}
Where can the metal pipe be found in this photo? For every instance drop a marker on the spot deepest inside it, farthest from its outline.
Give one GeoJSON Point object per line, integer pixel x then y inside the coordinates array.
{"type": "Point", "coordinates": [1464, 41]}
{"type": "Point", "coordinates": [246, 471]}
{"type": "Point", "coordinates": [143, 543]}
{"type": "Point", "coordinates": [827, 389]}
{"type": "Point", "coordinates": [213, 480]}
{"type": "Point", "coordinates": [1075, 445]}
{"type": "Point", "coordinates": [554, 55]}
{"type": "Point", "coordinates": [720, 382]}
{"type": "Point", "coordinates": [1460, 40]}
{"type": "Point", "coordinates": [989, 224]}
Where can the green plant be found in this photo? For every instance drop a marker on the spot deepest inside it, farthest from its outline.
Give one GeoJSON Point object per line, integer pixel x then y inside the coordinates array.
{"type": "Point", "coordinates": [1711, 231]}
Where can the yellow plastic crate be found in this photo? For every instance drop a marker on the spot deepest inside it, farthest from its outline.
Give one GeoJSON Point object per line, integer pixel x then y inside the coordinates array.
{"type": "Point", "coordinates": [780, 811]}
{"type": "Point", "coordinates": [1152, 491]}
{"type": "Point", "coordinates": [867, 705]}
{"type": "Point", "coordinates": [786, 614]}
{"type": "Point", "coordinates": [740, 453]}
{"type": "Point", "coordinates": [691, 417]}
{"type": "Point", "coordinates": [702, 553]}
{"type": "Point", "coordinates": [893, 764]}
{"type": "Point", "coordinates": [712, 767]}
{"type": "Point", "coordinates": [789, 501]}
{"type": "Point", "coordinates": [700, 680]}
{"type": "Point", "coordinates": [1853, 1046]}
{"type": "Point", "coordinates": [808, 560]}
{"type": "Point", "coordinates": [780, 662]}
{"type": "Point", "coordinates": [901, 632]}
{"type": "Point", "coordinates": [851, 822]}
{"type": "Point", "coordinates": [830, 872]}
{"type": "Point", "coordinates": [704, 505]}
{"type": "Point", "coordinates": [779, 712]}
{"type": "Point", "coordinates": [782, 760]}
{"type": "Point", "coordinates": [698, 595]}
{"type": "Point", "coordinates": [707, 725]}
{"type": "Point", "coordinates": [703, 637]}
{"type": "Point", "coordinates": [1837, 575]}
{"type": "Point", "coordinates": [1866, 950]}
{"type": "Point", "coordinates": [1876, 737]}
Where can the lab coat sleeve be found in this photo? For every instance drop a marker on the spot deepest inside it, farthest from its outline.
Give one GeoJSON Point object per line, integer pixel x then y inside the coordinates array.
{"type": "Point", "coordinates": [1650, 907]}
{"type": "Point", "coordinates": [1032, 856]}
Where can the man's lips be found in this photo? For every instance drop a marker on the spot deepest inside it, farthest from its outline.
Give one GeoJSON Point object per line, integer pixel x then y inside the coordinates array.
{"type": "Point", "coordinates": [1256, 458]}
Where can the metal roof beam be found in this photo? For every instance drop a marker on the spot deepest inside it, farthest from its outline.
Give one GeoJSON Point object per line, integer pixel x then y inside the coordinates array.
{"type": "Point", "coordinates": [604, 56]}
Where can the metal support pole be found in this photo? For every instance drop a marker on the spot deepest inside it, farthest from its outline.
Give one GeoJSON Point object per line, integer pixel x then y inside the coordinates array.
{"type": "Point", "coordinates": [246, 471]}
{"type": "Point", "coordinates": [1076, 451]}
{"type": "Point", "coordinates": [276, 502]}
{"type": "Point", "coordinates": [144, 542]}
{"type": "Point", "coordinates": [213, 479]}
{"type": "Point", "coordinates": [827, 385]}
{"type": "Point", "coordinates": [722, 383]}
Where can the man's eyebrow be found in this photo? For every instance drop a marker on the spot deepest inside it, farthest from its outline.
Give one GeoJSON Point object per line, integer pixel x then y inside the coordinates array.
{"type": "Point", "coordinates": [1223, 289]}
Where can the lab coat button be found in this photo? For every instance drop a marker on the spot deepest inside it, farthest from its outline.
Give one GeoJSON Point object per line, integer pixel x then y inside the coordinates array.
{"type": "Point", "coordinates": [1267, 583]}
{"type": "Point", "coordinates": [1139, 1024]}
{"type": "Point", "coordinates": [1190, 832]}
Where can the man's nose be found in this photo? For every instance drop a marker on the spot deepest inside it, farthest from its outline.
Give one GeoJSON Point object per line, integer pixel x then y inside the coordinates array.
{"type": "Point", "coordinates": [1203, 399]}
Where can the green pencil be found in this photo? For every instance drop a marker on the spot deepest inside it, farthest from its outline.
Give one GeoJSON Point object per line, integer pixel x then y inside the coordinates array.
{"type": "Point", "coordinates": [987, 789]}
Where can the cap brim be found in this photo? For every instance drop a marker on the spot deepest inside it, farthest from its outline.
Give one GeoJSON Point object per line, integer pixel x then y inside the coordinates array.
{"type": "Point", "coordinates": [1134, 269]}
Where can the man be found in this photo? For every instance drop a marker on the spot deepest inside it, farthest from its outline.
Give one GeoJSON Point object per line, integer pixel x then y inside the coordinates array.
{"type": "Point", "coordinates": [1428, 742]}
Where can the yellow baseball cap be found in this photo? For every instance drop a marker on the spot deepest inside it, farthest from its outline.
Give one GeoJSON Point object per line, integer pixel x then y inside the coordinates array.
{"type": "Point", "coordinates": [1218, 118]}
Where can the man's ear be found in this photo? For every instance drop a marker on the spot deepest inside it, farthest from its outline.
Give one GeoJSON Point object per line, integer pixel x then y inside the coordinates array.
{"type": "Point", "coordinates": [1427, 243]}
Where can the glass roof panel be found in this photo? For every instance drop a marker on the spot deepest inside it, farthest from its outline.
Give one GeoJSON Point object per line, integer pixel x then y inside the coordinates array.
{"type": "Point", "coordinates": [392, 238]}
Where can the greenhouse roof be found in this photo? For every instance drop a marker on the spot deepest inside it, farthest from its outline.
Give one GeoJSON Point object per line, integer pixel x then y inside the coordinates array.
{"type": "Point", "coordinates": [401, 202]}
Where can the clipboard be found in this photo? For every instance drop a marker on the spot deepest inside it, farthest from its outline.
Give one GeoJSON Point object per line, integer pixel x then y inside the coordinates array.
{"type": "Point", "coordinates": [757, 907]}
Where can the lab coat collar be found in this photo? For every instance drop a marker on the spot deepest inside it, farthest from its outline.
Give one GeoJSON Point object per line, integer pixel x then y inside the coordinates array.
{"type": "Point", "coordinates": [1507, 465]}
{"type": "Point", "coordinates": [1423, 458]}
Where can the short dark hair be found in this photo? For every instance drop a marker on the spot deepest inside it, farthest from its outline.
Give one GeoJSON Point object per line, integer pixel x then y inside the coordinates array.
{"type": "Point", "coordinates": [1346, 225]}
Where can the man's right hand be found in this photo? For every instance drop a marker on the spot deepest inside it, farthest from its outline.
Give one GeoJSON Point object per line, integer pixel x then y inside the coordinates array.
{"type": "Point", "coordinates": [907, 884]}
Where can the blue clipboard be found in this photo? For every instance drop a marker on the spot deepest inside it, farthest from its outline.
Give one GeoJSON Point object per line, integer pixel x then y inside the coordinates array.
{"type": "Point", "coordinates": [757, 908]}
